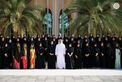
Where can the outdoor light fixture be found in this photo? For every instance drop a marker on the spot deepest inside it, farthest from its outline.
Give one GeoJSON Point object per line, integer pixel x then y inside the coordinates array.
{"type": "Point", "coordinates": [116, 5]}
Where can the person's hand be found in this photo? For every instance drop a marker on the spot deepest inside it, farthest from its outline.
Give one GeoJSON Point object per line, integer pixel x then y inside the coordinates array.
{"type": "Point", "coordinates": [76, 56]}
{"type": "Point", "coordinates": [40, 54]}
{"type": "Point", "coordinates": [102, 54]}
{"type": "Point", "coordinates": [96, 54]}
{"type": "Point", "coordinates": [5, 55]}
{"type": "Point", "coordinates": [51, 54]}
{"type": "Point", "coordinates": [86, 55]}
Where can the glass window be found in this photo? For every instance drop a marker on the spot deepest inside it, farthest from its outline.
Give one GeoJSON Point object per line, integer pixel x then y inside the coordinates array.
{"type": "Point", "coordinates": [47, 24]}
{"type": "Point", "coordinates": [64, 22]}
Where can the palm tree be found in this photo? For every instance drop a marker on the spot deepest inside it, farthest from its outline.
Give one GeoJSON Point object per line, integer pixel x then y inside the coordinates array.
{"type": "Point", "coordinates": [95, 16]}
{"type": "Point", "coordinates": [19, 17]}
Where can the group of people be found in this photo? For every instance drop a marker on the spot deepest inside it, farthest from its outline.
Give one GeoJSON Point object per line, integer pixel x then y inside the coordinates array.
{"type": "Point", "coordinates": [49, 52]}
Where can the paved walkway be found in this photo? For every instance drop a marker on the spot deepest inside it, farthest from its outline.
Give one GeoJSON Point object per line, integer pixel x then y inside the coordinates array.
{"type": "Point", "coordinates": [60, 78]}
{"type": "Point", "coordinates": [61, 75]}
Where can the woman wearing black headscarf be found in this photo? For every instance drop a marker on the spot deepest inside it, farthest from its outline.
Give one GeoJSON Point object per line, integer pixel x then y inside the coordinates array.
{"type": "Point", "coordinates": [70, 57]}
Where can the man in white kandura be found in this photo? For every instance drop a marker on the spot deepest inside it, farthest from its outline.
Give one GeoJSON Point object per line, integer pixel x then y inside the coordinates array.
{"type": "Point", "coordinates": [60, 52]}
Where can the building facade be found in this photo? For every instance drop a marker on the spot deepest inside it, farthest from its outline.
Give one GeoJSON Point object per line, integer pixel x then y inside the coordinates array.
{"type": "Point", "coordinates": [54, 24]}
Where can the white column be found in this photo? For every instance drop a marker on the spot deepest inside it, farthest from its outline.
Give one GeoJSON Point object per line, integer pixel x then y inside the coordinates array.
{"type": "Point", "coordinates": [58, 16]}
{"type": "Point", "coordinates": [62, 19]}
{"type": "Point", "coordinates": [47, 17]}
{"type": "Point", "coordinates": [35, 2]}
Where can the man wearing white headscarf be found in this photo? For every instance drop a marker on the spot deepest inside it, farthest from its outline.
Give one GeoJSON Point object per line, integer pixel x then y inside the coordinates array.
{"type": "Point", "coordinates": [60, 52]}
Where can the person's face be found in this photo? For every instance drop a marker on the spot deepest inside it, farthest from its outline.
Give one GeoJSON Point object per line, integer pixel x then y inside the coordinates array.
{"type": "Point", "coordinates": [3, 39]}
{"type": "Point", "coordinates": [108, 45]}
{"type": "Point", "coordinates": [66, 40]}
{"type": "Point", "coordinates": [72, 39]}
{"type": "Point", "coordinates": [54, 39]}
{"type": "Point", "coordinates": [108, 34]}
{"type": "Point", "coordinates": [103, 35]}
{"type": "Point", "coordinates": [113, 39]}
{"type": "Point", "coordinates": [106, 39]}
{"type": "Point", "coordinates": [92, 39]}
{"type": "Point", "coordinates": [78, 41]}
{"type": "Point", "coordinates": [24, 39]}
{"type": "Point", "coordinates": [72, 35]}
{"type": "Point", "coordinates": [99, 39]}
{"type": "Point", "coordinates": [59, 41]}
{"type": "Point", "coordinates": [79, 36]}
{"type": "Point", "coordinates": [10, 41]}
{"type": "Point", "coordinates": [31, 39]}
{"type": "Point", "coordinates": [86, 40]}
{"type": "Point", "coordinates": [117, 45]}
{"type": "Point", "coordinates": [45, 38]}
{"type": "Point", "coordinates": [87, 44]}
{"type": "Point", "coordinates": [91, 35]}
{"type": "Point", "coordinates": [32, 46]}
{"type": "Point", "coordinates": [7, 37]}
{"type": "Point", "coordinates": [38, 39]}
{"type": "Point", "coordinates": [6, 45]}
{"type": "Point", "coordinates": [40, 45]}
{"type": "Point", "coordinates": [59, 36]}
{"type": "Point", "coordinates": [114, 35]}
{"type": "Point", "coordinates": [18, 45]}
{"type": "Point", "coordinates": [85, 36]}
{"type": "Point", "coordinates": [51, 42]}
{"type": "Point", "coordinates": [17, 40]}
{"type": "Point", "coordinates": [97, 35]}
{"type": "Point", "coordinates": [120, 38]}
{"type": "Point", "coordinates": [78, 45]}
{"type": "Point", "coordinates": [95, 45]}
{"type": "Point", "coordinates": [24, 35]}
{"type": "Point", "coordinates": [48, 35]}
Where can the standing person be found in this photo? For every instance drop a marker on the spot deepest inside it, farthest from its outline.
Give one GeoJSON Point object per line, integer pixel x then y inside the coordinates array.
{"type": "Point", "coordinates": [0, 57]}
{"type": "Point", "coordinates": [6, 57]}
{"type": "Point", "coordinates": [102, 56]}
{"type": "Point", "coordinates": [2, 45]}
{"type": "Point", "coordinates": [78, 57]}
{"type": "Point", "coordinates": [108, 54]}
{"type": "Point", "coordinates": [120, 45]}
{"type": "Point", "coordinates": [40, 60]}
{"type": "Point", "coordinates": [17, 56]}
{"type": "Point", "coordinates": [10, 44]}
{"type": "Point", "coordinates": [72, 41]}
{"type": "Point", "coordinates": [96, 53]}
{"type": "Point", "coordinates": [46, 45]}
{"type": "Point", "coordinates": [32, 56]}
{"type": "Point", "coordinates": [70, 57]}
{"type": "Point", "coordinates": [113, 46]}
{"type": "Point", "coordinates": [91, 45]}
{"type": "Point", "coordinates": [24, 57]}
{"type": "Point", "coordinates": [117, 57]}
{"type": "Point", "coordinates": [60, 52]}
{"type": "Point", "coordinates": [66, 42]}
{"type": "Point", "coordinates": [51, 56]}
{"type": "Point", "coordinates": [86, 56]}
